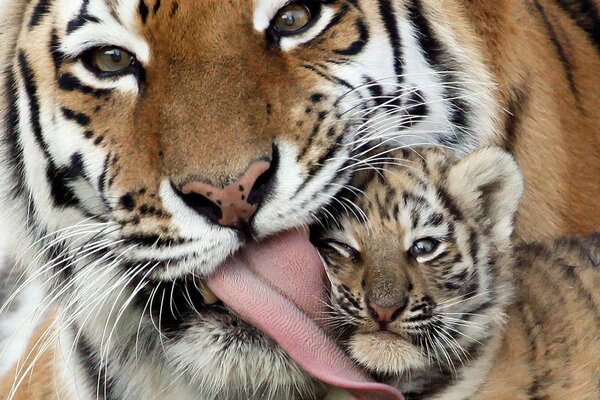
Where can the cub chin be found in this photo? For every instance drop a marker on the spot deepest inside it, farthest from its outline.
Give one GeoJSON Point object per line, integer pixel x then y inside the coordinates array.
{"type": "Point", "coordinates": [429, 293]}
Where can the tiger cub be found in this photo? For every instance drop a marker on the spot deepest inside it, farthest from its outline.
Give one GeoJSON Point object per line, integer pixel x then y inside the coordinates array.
{"type": "Point", "coordinates": [429, 292]}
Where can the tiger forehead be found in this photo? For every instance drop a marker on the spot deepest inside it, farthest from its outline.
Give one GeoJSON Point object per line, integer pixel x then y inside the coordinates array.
{"type": "Point", "coordinates": [197, 20]}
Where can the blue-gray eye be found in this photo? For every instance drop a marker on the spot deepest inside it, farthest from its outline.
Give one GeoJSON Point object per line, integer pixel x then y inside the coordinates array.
{"type": "Point", "coordinates": [423, 247]}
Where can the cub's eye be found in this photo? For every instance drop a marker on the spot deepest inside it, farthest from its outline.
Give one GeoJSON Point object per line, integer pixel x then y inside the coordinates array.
{"type": "Point", "coordinates": [109, 61]}
{"type": "Point", "coordinates": [345, 250]}
{"type": "Point", "coordinates": [295, 16]}
{"type": "Point", "coordinates": [423, 247]}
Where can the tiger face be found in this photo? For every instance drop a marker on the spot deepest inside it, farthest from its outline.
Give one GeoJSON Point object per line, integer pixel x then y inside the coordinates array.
{"type": "Point", "coordinates": [420, 266]}
{"type": "Point", "coordinates": [147, 141]}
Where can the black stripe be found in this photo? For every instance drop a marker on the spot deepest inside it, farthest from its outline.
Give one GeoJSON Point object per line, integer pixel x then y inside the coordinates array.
{"type": "Point", "coordinates": [315, 131]}
{"type": "Point", "coordinates": [57, 256]}
{"type": "Point", "coordinates": [80, 21]}
{"type": "Point", "coordinates": [569, 271]}
{"type": "Point", "coordinates": [94, 370]}
{"type": "Point", "coordinates": [153, 241]}
{"type": "Point", "coordinates": [320, 164]}
{"type": "Point", "coordinates": [474, 247]}
{"type": "Point", "coordinates": [517, 106]}
{"type": "Point", "coordinates": [529, 321]}
{"type": "Point", "coordinates": [329, 77]}
{"type": "Point", "coordinates": [586, 16]}
{"type": "Point", "coordinates": [11, 138]}
{"type": "Point", "coordinates": [82, 18]}
{"type": "Point", "coordinates": [432, 48]}
{"type": "Point", "coordinates": [156, 7]}
{"type": "Point", "coordinates": [143, 10]}
{"type": "Point", "coordinates": [560, 51]}
{"type": "Point", "coordinates": [449, 204]}
{"type": "Point", "coordinates": [34, 105]}
{"type": "Point", "coordinates": [436, 219]}
{"type": "Point", "coordinates": [57, 56]}
{"type": "Point", "coordinates": [386, 10]}
{"type": "Point", "coordinates": [41, 9]}
{"type": "Point", "coordinates": [171, 304]}
{"type": "Point", "coordinates": [376, 92]}
{"type": "Point", "coordinates": [357, 46]}
{"type": "Point", "coordinates": [61, 193]}
{"type": "Point", "coordinates": [334, 21]}
{"type": "Point", "coordinates": [80, 118]}
{"type": "Point", "coordinates": [59, 178]}
{"type": "Point", "coordinates": [70, 82]}
{"type": "Point", "coordinates": [415, 107]}
{"type": "Point", "coordinates": [441, 61]}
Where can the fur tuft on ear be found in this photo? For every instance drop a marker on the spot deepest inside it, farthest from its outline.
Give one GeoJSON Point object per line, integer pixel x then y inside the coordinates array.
{"type": "Point", "coordinates": [488, 185]}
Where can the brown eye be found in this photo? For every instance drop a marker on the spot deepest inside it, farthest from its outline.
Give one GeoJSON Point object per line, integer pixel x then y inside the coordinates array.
{"type": "Point", "coordinates": [293, 18]}
{"type": "Point", "coordinates": [110, 60]}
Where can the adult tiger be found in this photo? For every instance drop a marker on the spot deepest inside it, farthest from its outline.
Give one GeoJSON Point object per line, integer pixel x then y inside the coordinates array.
{"type": "Point", "coordinates": [145, 141]}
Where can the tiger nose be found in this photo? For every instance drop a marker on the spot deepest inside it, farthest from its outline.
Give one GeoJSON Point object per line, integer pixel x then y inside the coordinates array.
{"type": "Point", "coordinates": [234, 204]}
{"type": "Point", "coordinates": [386, 314]}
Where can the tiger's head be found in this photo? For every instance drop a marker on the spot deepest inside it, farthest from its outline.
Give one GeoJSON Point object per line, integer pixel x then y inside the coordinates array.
{"type": "Point", "coordinates": [421, 265]}
{"type": "Point", "coordinates": [146, 141]}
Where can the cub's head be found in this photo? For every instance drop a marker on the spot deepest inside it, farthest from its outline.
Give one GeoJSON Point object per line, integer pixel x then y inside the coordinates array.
{"type": "Point", "coordinates": [419, 263]}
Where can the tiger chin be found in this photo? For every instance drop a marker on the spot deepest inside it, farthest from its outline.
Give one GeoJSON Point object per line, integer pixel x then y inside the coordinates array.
{"type": "Point", "coordinates": [431, 293]}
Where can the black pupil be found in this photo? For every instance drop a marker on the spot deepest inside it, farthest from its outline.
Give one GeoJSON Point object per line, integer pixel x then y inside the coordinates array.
{"type": "Point", "coordinates": [425, 246]}
{"type": "Point", "coordinates": [115, 55]}
{"type": "Point", "coordinates": [288, 19]}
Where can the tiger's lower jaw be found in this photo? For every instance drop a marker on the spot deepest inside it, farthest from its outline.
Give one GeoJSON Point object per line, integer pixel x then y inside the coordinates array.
{"type": "Point", "coordinates": [218, 356]}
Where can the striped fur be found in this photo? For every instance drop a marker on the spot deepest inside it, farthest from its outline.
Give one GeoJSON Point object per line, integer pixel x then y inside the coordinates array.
{"type": "Point", "coordinates": [91, 165]}
{"type": "Point", "coordinates": [483, 319]}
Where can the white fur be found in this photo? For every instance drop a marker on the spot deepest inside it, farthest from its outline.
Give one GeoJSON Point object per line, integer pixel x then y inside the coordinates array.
{"type": "Point", "coordinates": [265, 11]}
{"type": "Point", "coordinates": [291, 42]}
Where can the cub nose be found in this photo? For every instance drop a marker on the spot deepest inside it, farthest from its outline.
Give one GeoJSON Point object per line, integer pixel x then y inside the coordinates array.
{"type": "Point", "coordinates": [386, 314]}
{"type": "Point", "coordinates": [235, 203]}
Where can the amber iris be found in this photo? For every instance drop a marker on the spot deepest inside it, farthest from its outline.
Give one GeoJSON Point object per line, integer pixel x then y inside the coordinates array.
{"type": "Point", "coordinates": [112, 59]}
{"type": "Point", "coordinates": [292, 18]}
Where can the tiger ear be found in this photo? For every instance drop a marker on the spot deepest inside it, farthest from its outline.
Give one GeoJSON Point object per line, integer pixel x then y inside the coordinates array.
{"type": "Point", "coordinates": [488, 185]}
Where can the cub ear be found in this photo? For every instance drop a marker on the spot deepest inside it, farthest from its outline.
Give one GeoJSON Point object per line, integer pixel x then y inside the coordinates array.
{"type": "Point", "coordinates": [488, 185]}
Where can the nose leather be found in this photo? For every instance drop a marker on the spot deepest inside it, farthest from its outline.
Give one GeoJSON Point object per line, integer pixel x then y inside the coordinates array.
{"type": "Point", "coordinates": [385, 314]}
{"type": "Point", "coordinates": [233, 199]}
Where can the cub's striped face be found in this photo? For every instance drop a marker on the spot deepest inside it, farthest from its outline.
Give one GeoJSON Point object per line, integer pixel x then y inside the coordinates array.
{"type": "Point", "coordinates": [150, 139]}
{"type": "Point", "coordinates": [418, 275]}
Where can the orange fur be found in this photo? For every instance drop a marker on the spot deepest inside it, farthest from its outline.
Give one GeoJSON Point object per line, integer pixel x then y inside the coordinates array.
{"type": "Point", "coordinates": [41, 382]}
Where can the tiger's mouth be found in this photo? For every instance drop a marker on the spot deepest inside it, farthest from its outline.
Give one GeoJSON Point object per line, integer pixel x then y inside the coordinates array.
{"type": "Point", "coordinates": [278, 288]}
{"type": "Point", "coordinates": [208, 296]}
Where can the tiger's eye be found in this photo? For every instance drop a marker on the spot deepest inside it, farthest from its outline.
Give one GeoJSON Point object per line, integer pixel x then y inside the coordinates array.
{"type": "Point", "coordinates": [344, 250]}
{"type": "Point", "coordinates": [424, 247]}
{"type": "Point", "coordinates": [111, 59]}
{"type": "Point", "coordinates": [292, 18]}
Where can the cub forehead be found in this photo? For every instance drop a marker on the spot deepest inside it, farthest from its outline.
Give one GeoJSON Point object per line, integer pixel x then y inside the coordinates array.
{"type": "Point", "coordinates": [403, 200]}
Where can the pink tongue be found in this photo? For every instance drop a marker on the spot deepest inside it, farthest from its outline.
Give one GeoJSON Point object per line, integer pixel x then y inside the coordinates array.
{"type": "Point", "coordinates": [276, 286]}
